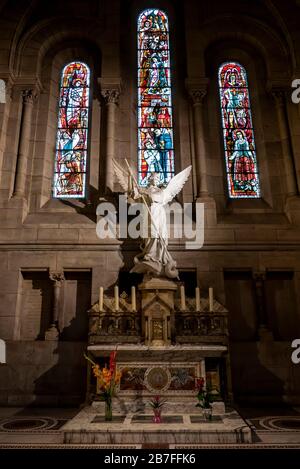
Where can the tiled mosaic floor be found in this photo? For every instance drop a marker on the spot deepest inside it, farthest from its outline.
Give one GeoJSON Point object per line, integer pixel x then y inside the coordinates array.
{"type": "Point", "coordinates": [273, 425]}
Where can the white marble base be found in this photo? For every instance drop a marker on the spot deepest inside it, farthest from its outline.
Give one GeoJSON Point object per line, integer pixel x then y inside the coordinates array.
{"type": "Point", "coordinates": [231, 428]}
{"type": "Point", "coordinates": [126, 404]}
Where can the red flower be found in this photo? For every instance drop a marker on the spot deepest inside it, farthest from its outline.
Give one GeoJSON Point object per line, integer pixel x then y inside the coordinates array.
{"type": "Point", "coordinates": [112, 361]}
{"type": "Point", "coordinates": [200, 384]}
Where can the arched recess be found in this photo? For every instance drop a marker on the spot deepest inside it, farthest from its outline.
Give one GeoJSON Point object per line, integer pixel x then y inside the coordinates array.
{"type": "Point", "coordinates": [54, 60]}
{"type": "Point", "coordinates": [268, 61]}
{"type": "Point", "coordinates": [56, 40]}
{"type": "Point", "coordinates": [218, 53]}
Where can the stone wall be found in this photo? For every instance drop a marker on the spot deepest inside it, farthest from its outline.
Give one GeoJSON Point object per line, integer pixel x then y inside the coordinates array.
{"type": "Point", "coordinates": [43, 373]}
{"type": "Point", "coordinates": [41, 235]}
{"type": "Point", "coordinates": [263, 373]}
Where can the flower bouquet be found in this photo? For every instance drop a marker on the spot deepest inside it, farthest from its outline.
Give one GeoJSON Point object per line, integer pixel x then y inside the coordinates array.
{"type": "Point", "coordinates": [206, 396]}
{"type": "Point", "coordinates": [157, 403]}
{"type": "Point", "coordinates": [107, 381]}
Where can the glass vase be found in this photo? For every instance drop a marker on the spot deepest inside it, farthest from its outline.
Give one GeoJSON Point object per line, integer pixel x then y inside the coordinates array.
{"type": "Point", "coordinates": [108, 409]}
{"type": "Point", "coordinates": [157, 416]}
{"type": "Point", "coordinates": [207, 413]}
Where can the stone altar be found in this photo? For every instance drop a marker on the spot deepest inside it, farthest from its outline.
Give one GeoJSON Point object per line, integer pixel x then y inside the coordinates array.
{"type": "Point", "coordinates": [164, 343]}
{"type": "Point", "coordinates": [166, 340]}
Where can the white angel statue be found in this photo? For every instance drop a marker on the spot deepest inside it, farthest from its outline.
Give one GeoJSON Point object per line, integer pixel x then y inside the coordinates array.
{"type": "Point", "coordinates": [155, 258]}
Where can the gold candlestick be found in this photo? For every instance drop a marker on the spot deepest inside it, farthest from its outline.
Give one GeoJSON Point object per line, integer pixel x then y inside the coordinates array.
{"type": "Point", "coordinates": [101, 291]}
{"type": "Point", "coordinates": [182, 298]}
{"type": "Point", "coordinates": [211, 298]}
{"type": "Point", "coordinates": [198, 303]}
{"type": "Point", "coordinates": [117, 298]}
{"type": "Point", "coordinates": [133, 299]}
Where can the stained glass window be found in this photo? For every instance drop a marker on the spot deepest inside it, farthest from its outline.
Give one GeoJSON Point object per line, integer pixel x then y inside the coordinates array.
{"type": "Point", "coordinates": [238, 134]}
{"type": "Point", "coordinates": [72, 132]}
{"type": "Point", "coordinates": [155, 127]}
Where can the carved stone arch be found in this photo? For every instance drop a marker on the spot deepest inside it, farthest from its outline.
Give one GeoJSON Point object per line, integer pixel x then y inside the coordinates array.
{"type": "Point", "coordinates": [260, 36]}
{"type": "Point", "coordinates": [21, 22]}
{"type": "Point", "coordinates": [67, 49]}
{"type": "Point", "coordinates": [44, 35]}
{"type": "Point", "coordinates": [283, 30]}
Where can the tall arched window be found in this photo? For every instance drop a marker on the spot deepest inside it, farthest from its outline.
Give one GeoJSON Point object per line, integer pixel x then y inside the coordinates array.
{"type": "Point", "coordinates": [155, 127]}
{"type": "Point", "coordinates": [72, 132]}
{"type": "Point", "coordinates": [238, 134]}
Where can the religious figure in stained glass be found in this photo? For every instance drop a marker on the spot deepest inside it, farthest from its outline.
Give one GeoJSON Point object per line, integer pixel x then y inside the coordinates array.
{"type": "Point", "coordinates": [155, 126]}
{"type": "Point", "coordinates": [72, 133]}
{"type": "Point", "coordinates": [238, 135]}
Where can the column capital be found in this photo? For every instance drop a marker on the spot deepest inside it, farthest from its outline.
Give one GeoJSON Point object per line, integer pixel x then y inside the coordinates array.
{"type": "Point", "coordinates": [57, 277]}
{"type": "Point", "coordinates": [259, 276]}
{"type": "Point", "coordinates": [197, 96]}
{"type": "Point", "coordinates": [197, 89]}
{"type": "Point", "coordinates": [110, 96]}
{"type": "Point", "coordinates": [110, 88]}
{"type": "Point", "coordinates": [279, 91]}
{"type": "Point", "coordinates": [279, 96]}
{"type": "Point", "coordinates": [29, 95]}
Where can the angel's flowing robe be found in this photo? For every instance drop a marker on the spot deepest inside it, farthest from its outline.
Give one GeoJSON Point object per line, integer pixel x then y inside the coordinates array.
{"type": "Point", "coordinates": [155, 257]}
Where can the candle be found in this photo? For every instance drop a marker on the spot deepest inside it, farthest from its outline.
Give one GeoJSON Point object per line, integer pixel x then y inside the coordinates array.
{"type": "Point", "coordinates": [211, 299]}
{"type": "Point", "coordinates": [101, 299]}
{"type": "Point", "coordinates": [116, 298]}
{"type": "Point", "coordinates": [133, 299]}
{"type": "Point", "coordinates": [182, 298]}
{"type": "Point", "coordinates": [197, 299]}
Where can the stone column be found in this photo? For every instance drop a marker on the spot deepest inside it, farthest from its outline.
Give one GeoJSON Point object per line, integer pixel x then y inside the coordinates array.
{"type": "Point", "coordinates": [5, 101]}
{"type": "Point", "coordinates": [110, 93]}
{"type": "Point", "coordinates": [197, 94]}
{"type": "Point", "coordinates": [262, 319]}
{"type": "Point", "coordinates": [280, 104]}
{"type": "Point", "coordinates": [28, 97]}
{"type": "Point", "coordinates": [53, 332]}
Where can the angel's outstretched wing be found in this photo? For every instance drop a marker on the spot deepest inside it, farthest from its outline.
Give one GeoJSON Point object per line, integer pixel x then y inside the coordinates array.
{"type": "Point", "coordinates": [176, 184]}
{"type": "Point", "coordinates": [123, 176]}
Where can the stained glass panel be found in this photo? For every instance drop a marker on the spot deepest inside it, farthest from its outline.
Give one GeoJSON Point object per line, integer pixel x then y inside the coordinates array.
{"type": "Point", "coordinates": [155, 126]}
{"type": "Point", "coordinates": [72, 133]}
{"type": "Point", "coordinates": [238, 135]}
